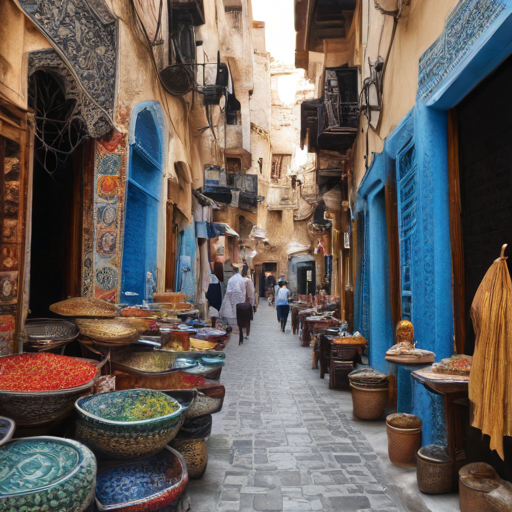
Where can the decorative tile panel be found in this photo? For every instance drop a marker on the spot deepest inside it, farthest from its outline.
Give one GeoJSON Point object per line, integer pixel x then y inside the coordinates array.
{"type": "Point", "coordinates": [465, 24]}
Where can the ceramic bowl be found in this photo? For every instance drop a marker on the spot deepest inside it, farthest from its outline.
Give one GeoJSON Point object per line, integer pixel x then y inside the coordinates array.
{"type": "Point", "coordinates": [125, 439]}
{"type": "Point", "coordinates": [30, 409]}
{"type": "Point", "coordinates": [46, 474]}
{"type": "Point", "coordinates": [7, 427]}
{"type": "Point", "coordinates": [144, 485]}
{"type": "Point", "coordinates": [195, 454]}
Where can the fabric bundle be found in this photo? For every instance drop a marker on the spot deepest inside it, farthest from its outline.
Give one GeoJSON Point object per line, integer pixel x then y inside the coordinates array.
{"type": "Point", "coordinates": [490, 380]}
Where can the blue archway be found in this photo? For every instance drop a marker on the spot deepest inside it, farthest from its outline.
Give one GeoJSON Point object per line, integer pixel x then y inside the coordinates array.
{"type": "Point", "coordinates": [143, 193]}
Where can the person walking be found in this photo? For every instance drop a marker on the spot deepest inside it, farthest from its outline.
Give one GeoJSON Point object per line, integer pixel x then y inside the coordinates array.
{"type": "Point", "coordinates": [283, 305]}
{"type": "Point", "coordinates": [249, 289]}
{"type": "Point", "coordinates": [235, 294]}
{"type": "Point", "coordinates": [244, 316]}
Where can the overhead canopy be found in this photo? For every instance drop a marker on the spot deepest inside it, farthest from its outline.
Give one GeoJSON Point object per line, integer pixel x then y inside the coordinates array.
{"type": "Point", "coordinates": [296, 248]}
{"type": "Point", "coordinates": [223, 229]}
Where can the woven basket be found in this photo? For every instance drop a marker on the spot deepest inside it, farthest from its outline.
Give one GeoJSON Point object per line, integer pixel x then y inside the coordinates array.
{"type": "Point", "coordinates": [84, 306]}
{"type": "Point", "coordinates": [403, 444]}
{"type": "Point", "coordinates": [369, 403]}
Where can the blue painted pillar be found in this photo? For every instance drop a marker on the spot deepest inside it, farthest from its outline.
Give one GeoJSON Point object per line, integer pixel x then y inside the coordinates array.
{"type": "Point", "coordinates": [433, 313]}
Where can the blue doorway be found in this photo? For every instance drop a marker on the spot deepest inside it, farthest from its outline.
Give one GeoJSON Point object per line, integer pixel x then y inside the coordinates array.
{"type": "Point", "coordinates": [143, 194]}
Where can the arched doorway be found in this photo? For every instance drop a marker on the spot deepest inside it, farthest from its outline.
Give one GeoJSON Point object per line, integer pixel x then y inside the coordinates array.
{"type": "Point", "coordinates": [143, 194]}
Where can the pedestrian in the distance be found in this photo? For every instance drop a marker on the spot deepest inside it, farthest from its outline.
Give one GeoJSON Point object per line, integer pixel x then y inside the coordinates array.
{"type": "Point", "coordinates": [244, 316]}
{"type": "Point", "coordinates": [283, 305]}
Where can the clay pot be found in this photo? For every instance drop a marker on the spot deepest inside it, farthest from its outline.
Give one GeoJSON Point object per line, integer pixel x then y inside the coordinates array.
{"type": "Point", "coordinates": [369, 403]}
{"type": "Point", "coordinates": [403, 443]}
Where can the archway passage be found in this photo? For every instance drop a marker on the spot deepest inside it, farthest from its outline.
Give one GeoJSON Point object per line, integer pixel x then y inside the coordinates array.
{"type": "Point", "coordinates": [60, 155]}
{"type": "Point", "coordinates": [142, 203]}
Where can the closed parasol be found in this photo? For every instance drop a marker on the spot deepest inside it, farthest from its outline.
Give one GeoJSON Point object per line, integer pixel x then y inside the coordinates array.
{"type": "Point", "coordinates": [490, 380]}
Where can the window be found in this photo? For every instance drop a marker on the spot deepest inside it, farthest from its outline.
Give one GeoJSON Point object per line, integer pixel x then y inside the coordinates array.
{"type": "Point", "coordinates": [234, 164]}
{"type": "Point", "coordinates": [280, 165]}
{"type": "Point", "coordinates": [407, 195]}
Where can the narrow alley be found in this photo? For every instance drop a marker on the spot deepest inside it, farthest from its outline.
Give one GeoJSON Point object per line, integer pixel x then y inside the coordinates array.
{"type": "Point", "coordinates": [283, 440]}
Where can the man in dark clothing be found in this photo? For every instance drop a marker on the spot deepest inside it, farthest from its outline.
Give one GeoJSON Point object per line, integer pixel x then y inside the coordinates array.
{"type": "Point", "coordinates": [243, 319]}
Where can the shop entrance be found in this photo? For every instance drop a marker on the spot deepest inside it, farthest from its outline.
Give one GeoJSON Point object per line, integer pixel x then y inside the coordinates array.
{"type": "Point", "coordinates": [484, 120]}
{"type": "Point", "coordinates": [306, 277]}
{"type": "Point", "coordinates": [57, 204]}
{"type": "Point", "coordinates": [267, 277]}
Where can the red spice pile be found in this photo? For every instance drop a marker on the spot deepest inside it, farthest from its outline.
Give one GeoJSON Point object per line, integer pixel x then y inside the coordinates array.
{"type": "Point", "coordinates": [43, 372]}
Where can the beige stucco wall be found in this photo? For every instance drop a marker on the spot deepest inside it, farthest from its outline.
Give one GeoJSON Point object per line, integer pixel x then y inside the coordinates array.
{"type": "Point", "coordinates": [420, 25]}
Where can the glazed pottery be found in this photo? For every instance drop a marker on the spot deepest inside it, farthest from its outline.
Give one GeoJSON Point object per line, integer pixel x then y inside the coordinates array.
{"type": "Point", "coordinates": [195, 454]}
{"type": "Point", "coordinates": [30, 409]}
{"type": "Point", "coordinates": [46, 474]}
{"type": "Point", "coordinates": [144, 485]}
{"type": "Point", "coordinates": [125, 439]}
{"type": "Point", "coordinates": [7, 427]}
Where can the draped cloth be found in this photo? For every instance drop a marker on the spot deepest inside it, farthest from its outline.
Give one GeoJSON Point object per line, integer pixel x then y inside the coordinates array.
{"type": "Point", "coordinates": [490, 380]}
{"type": "Point", "coordinates": [235, 294]}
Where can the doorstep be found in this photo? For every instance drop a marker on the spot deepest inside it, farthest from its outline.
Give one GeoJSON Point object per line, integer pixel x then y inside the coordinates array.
{"type": "Point", "coordinates": [401, 482]}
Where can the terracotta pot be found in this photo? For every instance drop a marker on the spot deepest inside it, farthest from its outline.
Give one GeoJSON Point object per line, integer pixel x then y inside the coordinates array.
{"type": "Point", "coordinates": [369, 403]}
{"type": "Point", "coordinates": [403, 444]}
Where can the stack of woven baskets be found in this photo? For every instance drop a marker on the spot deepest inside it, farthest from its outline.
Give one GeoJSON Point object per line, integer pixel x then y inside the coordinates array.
{"type": "Point", "coordinates": [370, 393]}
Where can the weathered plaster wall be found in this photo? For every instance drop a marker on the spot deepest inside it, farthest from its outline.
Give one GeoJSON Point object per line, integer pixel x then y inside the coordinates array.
{"type": "Point", "coordinates": [419, 27]}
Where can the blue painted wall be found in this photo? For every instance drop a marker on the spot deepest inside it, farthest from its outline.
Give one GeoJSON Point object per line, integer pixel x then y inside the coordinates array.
{"type": "Point", "coordinates": [476, 39]}
{"type": "Point", "coordinates": [142, 202]}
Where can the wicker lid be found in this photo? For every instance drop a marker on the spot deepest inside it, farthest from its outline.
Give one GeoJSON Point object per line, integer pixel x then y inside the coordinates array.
{"type": "Point", "coordinates": [434, 453]}
{"type": "Point", "coordinates": [404, 420]}
{"type": "Point", "coordinates": [108, 330]}
{"type": "Point", "coordinates": [480, 477]}
{"type": "Point", "coordinates": [367, 376]}
{"type": "Point", "coordinates": [84, 306]}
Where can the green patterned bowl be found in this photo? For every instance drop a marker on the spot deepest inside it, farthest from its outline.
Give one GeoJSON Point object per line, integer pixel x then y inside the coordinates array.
{"type": "Point", "coordinates": [46, 474]}
{"type": "Point", "coordinates": [106, 426]}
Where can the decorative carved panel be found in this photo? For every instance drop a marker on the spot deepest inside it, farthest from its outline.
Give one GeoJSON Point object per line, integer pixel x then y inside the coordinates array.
{"type": "Point", "coordinates": [465, 24]}
{"type": "Point", "coordinates": [83, 33]}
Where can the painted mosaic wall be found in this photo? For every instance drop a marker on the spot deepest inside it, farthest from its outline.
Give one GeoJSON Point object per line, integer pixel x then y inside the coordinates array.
{"type": "Point", "coordinates": [104, 218]}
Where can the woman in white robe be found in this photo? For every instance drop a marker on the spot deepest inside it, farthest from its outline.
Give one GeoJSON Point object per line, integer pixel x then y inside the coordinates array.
{"type": "Point", "coordinates": [235, 294]}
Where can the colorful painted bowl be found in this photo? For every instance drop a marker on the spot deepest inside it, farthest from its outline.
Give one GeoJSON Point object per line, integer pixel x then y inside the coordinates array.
{"type": "Point", "coordinates": [37, 408]}
{"type": "Point", "coordinates": [195, 454]}
{"type": "Point", "coordinates": [46, 474]}
{"type": "Point", "coordinates": [144, 485]}
{"type": "Point", "coordinates": [106, 426]}
{"type": "Point", "coordinates": [7, 427]}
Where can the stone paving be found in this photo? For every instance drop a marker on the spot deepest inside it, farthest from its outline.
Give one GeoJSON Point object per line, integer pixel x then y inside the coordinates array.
{"type": "Point", "coordinates": [283, 440]}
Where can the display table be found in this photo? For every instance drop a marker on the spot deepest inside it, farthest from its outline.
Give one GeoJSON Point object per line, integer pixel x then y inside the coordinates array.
{"type": "Point", "coordinates": [340, 358]}
{"type": "Point", "coordinates": [452, 388]}
{"type": "Point", "coordinates": [316, 322]}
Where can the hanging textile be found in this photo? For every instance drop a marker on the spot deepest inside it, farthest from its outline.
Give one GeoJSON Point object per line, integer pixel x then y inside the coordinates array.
{"type": "Point", "coordinates": [490, 380]}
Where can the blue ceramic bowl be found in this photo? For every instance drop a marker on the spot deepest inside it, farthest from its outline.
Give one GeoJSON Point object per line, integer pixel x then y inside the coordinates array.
{"type": "Point", "coordinates": [125, 439]}
{"type": "Point", "coordinates": [144, 485]}
{"type": "Point", "coordinates": [46, 473]}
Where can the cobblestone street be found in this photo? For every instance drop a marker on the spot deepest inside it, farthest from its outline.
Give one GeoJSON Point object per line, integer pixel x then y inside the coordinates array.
{"type": "Point", "coordinates": [283, 440]}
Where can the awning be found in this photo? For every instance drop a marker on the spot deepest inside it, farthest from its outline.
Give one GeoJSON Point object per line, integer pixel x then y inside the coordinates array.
{"type": "Point", "coordinates": [296, 248]}
{"type": "Point", "coordinates": [206, 201]}
{"type": "Point", "coordinates": [224, 229]}
{"type": "Point", "coordinates": [258, 233]}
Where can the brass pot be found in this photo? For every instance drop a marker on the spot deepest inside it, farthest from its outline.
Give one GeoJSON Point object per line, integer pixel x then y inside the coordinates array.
{"type": "Point", "coordinates": [369, 403]}
{"type": "Point", "coordinates": [403, 444]}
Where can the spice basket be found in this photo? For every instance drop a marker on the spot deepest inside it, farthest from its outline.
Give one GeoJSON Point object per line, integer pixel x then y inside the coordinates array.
{"type": "Point", "coordinates": [369, 403]}
{"type": "Point", "coordinates": [403, 443]}
{"type": "Point", "coordinates": [38, 408]}
{"type": "Point", "coordinates": [435, 470]}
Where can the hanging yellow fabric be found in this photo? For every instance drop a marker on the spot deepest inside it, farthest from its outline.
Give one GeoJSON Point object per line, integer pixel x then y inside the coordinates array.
{"type": "Point", "coordinates": [490, 381]}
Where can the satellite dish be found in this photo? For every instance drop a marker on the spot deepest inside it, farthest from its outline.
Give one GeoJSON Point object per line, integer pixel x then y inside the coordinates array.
{"type": "Point", "coordinates": [178, 79]}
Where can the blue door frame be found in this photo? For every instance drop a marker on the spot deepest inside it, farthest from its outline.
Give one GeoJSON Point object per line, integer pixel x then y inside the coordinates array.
{"type": "Point", "coordinates": [476, 39]}
{"type": "Point", "coordinates": [143, 191]}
